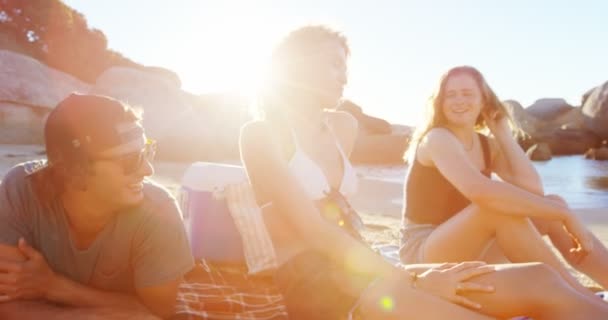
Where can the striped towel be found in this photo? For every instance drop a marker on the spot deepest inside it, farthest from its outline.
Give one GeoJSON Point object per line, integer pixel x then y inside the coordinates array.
{"type": "Point", "coordinates": [257, 245]}
{"type": "Point", "coordinates": [221, 292]}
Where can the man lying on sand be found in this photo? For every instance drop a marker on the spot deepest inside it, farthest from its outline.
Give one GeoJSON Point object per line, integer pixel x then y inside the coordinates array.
{"type": "Point", "coordinates": [83, 235]}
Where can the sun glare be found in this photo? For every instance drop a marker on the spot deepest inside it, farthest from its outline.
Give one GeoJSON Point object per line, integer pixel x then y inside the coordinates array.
{"type": "Point", "coordinates": [230, 53]}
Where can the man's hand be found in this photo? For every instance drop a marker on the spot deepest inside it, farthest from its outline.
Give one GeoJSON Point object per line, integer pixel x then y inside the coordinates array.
{"type": "Point", "coordinates": [29, 279]}
{"type": "Point", "coordinates": [11, 253]}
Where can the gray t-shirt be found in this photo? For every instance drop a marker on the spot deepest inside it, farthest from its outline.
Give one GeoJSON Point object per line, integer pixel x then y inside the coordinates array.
{"type": "Point", "coordinates": [142, 246]}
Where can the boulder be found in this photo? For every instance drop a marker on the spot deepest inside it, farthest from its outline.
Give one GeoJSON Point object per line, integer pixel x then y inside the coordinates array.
{"type": "Point", "coordinates": [380, 149]}
{"type": "Point", "coordinates": [586, 95]}
{"type": "Point", "coordinates": [367, 124]}
{"type": "Point", "coordinates": [187, 127]}
{"type": "Point", "coordinates": [525, 121]}
{"type": "Point", "coordinates": [29, 91]}
{"type": "Point", "coordinates": [567, 119]}
{"type": "Point", "coordinates": [21, 123]}
{"type": "Point", "coordinates": [378, 141]}
{"type": "Point", "coordinates": [400, 129]}
{"type": "Point", "coordinates": [548, 108]}
{"type": "Point", "coordinates": [600, 153]}
{"type": "Point", "coordinates": [26, 80]}
{"type": "Point", "coordinates": [166, 73]}
{"type": "Point", "coordinates": [562, 128]}
{"type": "Point", "coordinates": [539, 152]}
{"type": "Point", "coordinates": [570, 141]}
{"type": "Point", "coordinates": [562, 141]}
{"type": "Point", "coordinates": [595, 111]}
{"type": "Point", "coordinates": [525, 141]}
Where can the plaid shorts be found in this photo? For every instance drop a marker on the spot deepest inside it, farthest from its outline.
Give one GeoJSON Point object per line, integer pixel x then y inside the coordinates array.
{"type": "Point", "coordinates": [220, 292]}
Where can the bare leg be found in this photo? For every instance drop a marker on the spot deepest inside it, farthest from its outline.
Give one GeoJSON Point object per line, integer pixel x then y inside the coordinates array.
{"type": "Point", "coordinates": [517, 237]}
{"type": "Point", "coordinates": [593, 265]}
{"type": "Point", "coordinates": [389, 299]}
{"type": "Point", "coordinates": [34, 310]}
{"type": "Point", "coordinates": [535, 290]}
{"type": "Point", "coordinates": [494, 254]}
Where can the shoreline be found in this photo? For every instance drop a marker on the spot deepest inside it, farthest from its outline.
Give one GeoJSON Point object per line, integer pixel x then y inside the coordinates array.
{"type": "Point", "coordinates": [377, 194]}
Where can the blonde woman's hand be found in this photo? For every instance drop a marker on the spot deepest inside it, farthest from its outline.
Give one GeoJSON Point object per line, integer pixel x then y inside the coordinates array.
{"type": "Point", "coordinates": [582, 241]}
{"type": "Point", "coordinates": [497, 122]}
{"type": "Point", "coordinates": [450, 280]}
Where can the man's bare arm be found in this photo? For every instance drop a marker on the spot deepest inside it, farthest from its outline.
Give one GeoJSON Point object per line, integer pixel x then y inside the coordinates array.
{"type": "Point", "coordinates": [35, 310]}
{"type": "Point", "coordinates": [34, 279]}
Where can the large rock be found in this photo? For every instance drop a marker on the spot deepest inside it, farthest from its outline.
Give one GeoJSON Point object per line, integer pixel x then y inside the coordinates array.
{"type": "Point", "coordinates": [570, 141]}
{"type": "Point", "coordinates": [28, 92]}
{"type": "Point", "coordinates": [380, 149]}
{"type": "Point", "coordinates": [595, 111]}
{"type": "Point", "coordinates": [586, 95]}
{"type": "Point", "coordinates": [562, 129]}
{"type": "Point", "coordinates": [26, 80]}
{"type": "Point", "coordinates": [166, 73]}
{"type": "Point", "coordinates": [597, 153]}
{"type": "Point", "coordinates": [539, 152]}
{"type": "Point", "coordinates": [548, 108]}
{"type": "Point", "coordinates": [525, 121]}
{"type": "Point", "coordinates": [367, 124]}
{"type": "Point", "coordinates": [562, 141]}
{"type": "Point", "coordinates": [21, 123]}
{"type": "Point", "coordinates": [567, 119]}
{"type": "Point", "coordinates": [378, 142]}
{"type": "Point", "coordinates": [187, 127]}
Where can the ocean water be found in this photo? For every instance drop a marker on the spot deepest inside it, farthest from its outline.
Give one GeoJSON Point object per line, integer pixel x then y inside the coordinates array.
{"type": "Point", "coordinates": [583, 183]}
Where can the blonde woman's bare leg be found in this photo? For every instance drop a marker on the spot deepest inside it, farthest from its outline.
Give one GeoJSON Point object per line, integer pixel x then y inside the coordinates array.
{"type": "Point", "coordinates": [534, 290]}
{"type": "Point", "coordinates": [473, 229]}
{"type": "Point", "coordinates": [393, 299]}
{"type": "Point", "coordinates": [593, 264]}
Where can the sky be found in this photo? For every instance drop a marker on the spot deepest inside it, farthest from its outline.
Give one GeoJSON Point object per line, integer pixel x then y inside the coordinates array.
{"type": "Point", "coordinates": [526, 49]}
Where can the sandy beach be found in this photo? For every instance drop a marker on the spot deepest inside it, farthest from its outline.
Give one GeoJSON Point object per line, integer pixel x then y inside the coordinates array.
{"type": "Point", "coordinates": [377, 201]}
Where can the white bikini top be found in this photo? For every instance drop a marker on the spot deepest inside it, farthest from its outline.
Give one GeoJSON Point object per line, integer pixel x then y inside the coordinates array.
{"type": "Point", "coordinates": [311, 177]}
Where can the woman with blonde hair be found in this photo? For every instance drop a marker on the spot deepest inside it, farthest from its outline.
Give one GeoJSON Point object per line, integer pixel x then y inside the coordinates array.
{"type": "Point", "coordinates": [296, 158]}
{"type": "Point", "coordinates": [454, 210]}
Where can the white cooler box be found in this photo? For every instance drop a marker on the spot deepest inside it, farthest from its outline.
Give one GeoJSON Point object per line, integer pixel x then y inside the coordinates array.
{"type": "Point", "coordinates": [210, 227]}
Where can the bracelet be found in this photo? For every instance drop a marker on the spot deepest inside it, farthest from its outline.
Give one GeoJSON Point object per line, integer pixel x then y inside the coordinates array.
{"type": "Point", "coordinates": [414, 279]}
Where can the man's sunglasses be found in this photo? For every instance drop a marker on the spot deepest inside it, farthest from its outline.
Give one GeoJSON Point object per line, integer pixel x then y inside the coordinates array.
{"type": "Point", "coordinates": [132, 162]}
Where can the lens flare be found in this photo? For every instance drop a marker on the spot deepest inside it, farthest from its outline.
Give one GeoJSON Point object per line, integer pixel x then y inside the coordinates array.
{"type": "Point", "coordinates": [387, 304]}
{"type": "Point", "coordinates": [331, 212]}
